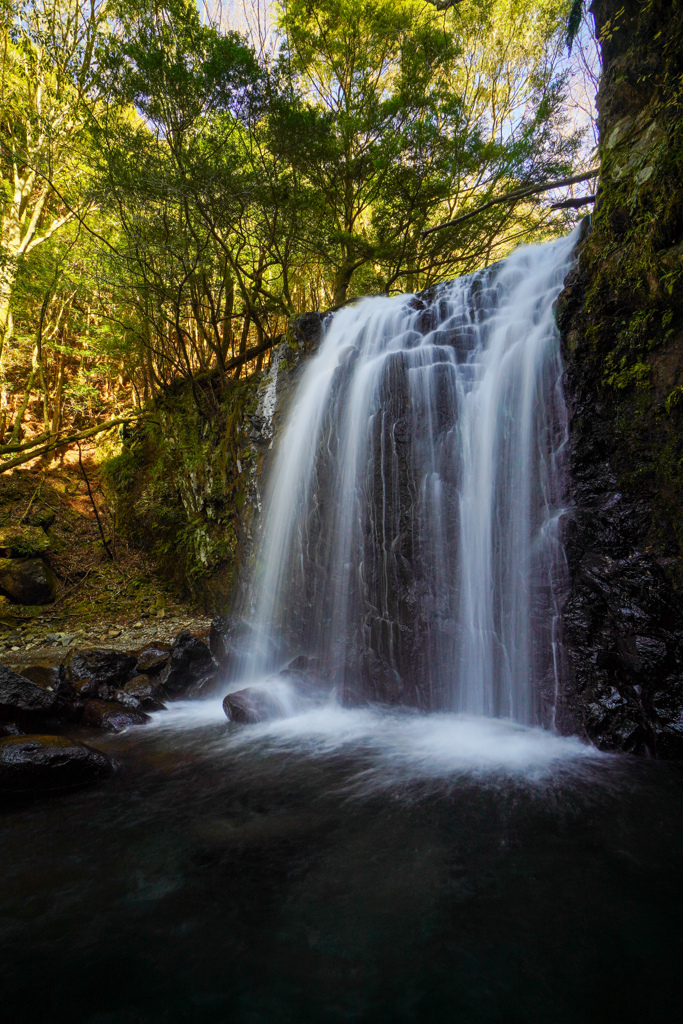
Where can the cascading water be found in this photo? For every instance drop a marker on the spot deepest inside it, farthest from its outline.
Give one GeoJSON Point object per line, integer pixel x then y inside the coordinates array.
{"type": "Point", "coordinates": [410, 539]}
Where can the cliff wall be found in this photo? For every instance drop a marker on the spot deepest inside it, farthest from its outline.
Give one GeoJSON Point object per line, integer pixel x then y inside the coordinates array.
{"type": "Point", "coordinates": [622, 333]}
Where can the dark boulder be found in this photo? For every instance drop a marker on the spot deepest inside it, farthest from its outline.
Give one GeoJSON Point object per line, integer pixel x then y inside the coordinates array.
{"type": "Point", "coordinates": [50, 762]}
{"type": "Point", "coordinates": [153, 659]}
{"type": "Point", "coordinates": [48, 669]}
{"type": "Point", "coordinates": [22, 700]}
{"type": "Point", "coordinates": [308, 329]}
{"type": "Point", "coordinates": [250, 705]}
{"type": "Point", "coordinates": [91, 669]}
{"type": "Point", "coordinates": [27, 580]}
{"type": "Point", "coordinates": [126, 700]}
{"type": "Point", "coordinates": [111, 717]}
{"type": "Point", "coordinates": [205, 686]}
{"type": "Point", "coordinates": [146, 690]}
{"type": "Point", "coordinates": [191, 661]}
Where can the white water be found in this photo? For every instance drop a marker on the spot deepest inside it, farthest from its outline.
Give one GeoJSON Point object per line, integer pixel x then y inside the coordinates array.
{"type": "Point", "coordinates": [390, 748]}
{"type": "Point", "coordinates": [410, 535]}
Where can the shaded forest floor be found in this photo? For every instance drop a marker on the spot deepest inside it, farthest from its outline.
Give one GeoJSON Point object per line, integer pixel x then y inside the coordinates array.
{"type": "Point", "coordinates": [119, 602]}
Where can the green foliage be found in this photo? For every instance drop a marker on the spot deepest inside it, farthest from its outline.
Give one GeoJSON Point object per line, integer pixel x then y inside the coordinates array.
{"type": "Point", "coordinates": [400, 120]}
{"type": "Point", "coordinates": [120, 471]}
{"type": "Point", "coordinates": [574, 22]}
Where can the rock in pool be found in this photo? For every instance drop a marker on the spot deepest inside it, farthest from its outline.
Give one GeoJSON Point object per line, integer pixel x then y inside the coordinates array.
{"type": "Point", "coordinates": [22, 700]}
{"type": "Point", "coordinates": [250, 705]}
{"type": "Point", "coordinates": [50, 762]}
{"type": "Point", "coordinates": [90, 669]}
{"type": "Point", "coordinates": [191, 662]}
{"type": "Point", "coordinates": [100, 714]}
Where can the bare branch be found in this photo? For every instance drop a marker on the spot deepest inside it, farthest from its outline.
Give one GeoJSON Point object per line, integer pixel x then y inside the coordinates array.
{"type": "Point", "coordinates": [573, 204]}
{"type": "Point", "coordinates": [521, 193]}
{"type": "Point", "coordinates": [62, 442]}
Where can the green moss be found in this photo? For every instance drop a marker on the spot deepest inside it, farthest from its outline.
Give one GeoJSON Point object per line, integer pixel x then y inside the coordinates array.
{"type": "Point", "coordinates": [181, 486]}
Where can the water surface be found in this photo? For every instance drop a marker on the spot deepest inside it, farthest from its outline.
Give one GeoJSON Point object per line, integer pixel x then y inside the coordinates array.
{"type": "Point", "coordinates": [346, 865]}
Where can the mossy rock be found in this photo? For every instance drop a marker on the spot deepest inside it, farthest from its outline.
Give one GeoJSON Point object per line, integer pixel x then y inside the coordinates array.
{"type": "Point", "coordinates": [23, 542]}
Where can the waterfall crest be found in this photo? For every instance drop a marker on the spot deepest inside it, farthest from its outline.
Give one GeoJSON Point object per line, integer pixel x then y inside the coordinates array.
{"type": "Point", "coordinates": [410, 530]}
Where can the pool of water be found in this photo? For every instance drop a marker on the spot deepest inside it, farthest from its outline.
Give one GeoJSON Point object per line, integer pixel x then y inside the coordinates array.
{"type": "Point", "coordinates": [346, 865]}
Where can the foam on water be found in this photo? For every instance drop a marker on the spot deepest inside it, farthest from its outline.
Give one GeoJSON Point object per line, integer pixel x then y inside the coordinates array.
{"type": "Point", "coordinates": [392, 746]}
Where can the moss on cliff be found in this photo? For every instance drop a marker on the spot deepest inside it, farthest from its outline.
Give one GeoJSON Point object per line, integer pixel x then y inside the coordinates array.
{"type": "Point", "coordinates": [629, 332]}
{"type": "Point", "coordinates": [182, 485]}
{"type": "Point", "coordinates": [186, 485]}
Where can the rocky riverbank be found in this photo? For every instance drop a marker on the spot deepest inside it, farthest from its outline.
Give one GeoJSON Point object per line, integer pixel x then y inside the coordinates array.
{"type": "Point", "coordinates": [49, 694]}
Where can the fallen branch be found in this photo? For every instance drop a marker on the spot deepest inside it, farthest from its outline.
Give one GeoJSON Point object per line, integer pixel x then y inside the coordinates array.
{"type": "Point", "coordinates": [62, 442]}
{"type": "Point", "coordinates": [92, 502]}
{"type": "Point", "coordinates": [250, 354]}
{"type": "Point", "coordinates": [33, 497]}
{"type": "Point", "coordinates": [511, 197]}
{"type": "Point", "coordinates": [10, 449]}
{"type": "Point", "coordinates": [573, 204]}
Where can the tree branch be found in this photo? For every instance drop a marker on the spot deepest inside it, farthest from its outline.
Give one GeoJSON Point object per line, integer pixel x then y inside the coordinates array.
{"type": "Point", "coordinates": [520, 193]}
{"type": "Point", "coordinates": [62, 442]}
{"type": "Point", "coordinates": [573, 204]}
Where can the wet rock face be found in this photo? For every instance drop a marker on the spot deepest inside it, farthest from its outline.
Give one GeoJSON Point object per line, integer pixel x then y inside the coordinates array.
{"type": "Point", "coordinates": [191, 665]}
{"type": "Point", "coordinates": [622, 348]}
{"type": "Point", "coordinates": [622, 615]}
{"type": "Point", "coordinates": [22, 700]}
{"type": "Point", "coordinates": [624, 648]}
{"type": "Point", "coordinates": [30, 763]}
{"type": "Point", "coordinates": [91, 669]}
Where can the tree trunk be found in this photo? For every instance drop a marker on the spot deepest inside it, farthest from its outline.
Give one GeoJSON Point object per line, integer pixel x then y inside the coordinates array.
{"type": "Point", "coordinates": [57, 407]}
{"type": "Point", "coordinates": [8, 276]}
{"type": "Point", "coordinates": [243, 340]}
{"type": "Point", "coordinates": [228, 305]}
{"type": "Point", "coordinates": [16, 427]}
{"type": "Point", "coordinates": [342, 280]}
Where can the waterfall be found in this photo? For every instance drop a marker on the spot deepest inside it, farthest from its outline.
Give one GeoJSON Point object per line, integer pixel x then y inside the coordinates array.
{"type": "Point", "coordinates": [410, 539]}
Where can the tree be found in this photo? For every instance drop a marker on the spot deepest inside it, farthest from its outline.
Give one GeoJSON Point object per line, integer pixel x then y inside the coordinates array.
{"type": "Point", "coordinates": [406, 115]}
{"type": "Point", "coordinates": [47, 78]}
{"type": "Point", "coordinates": [173, 165]}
